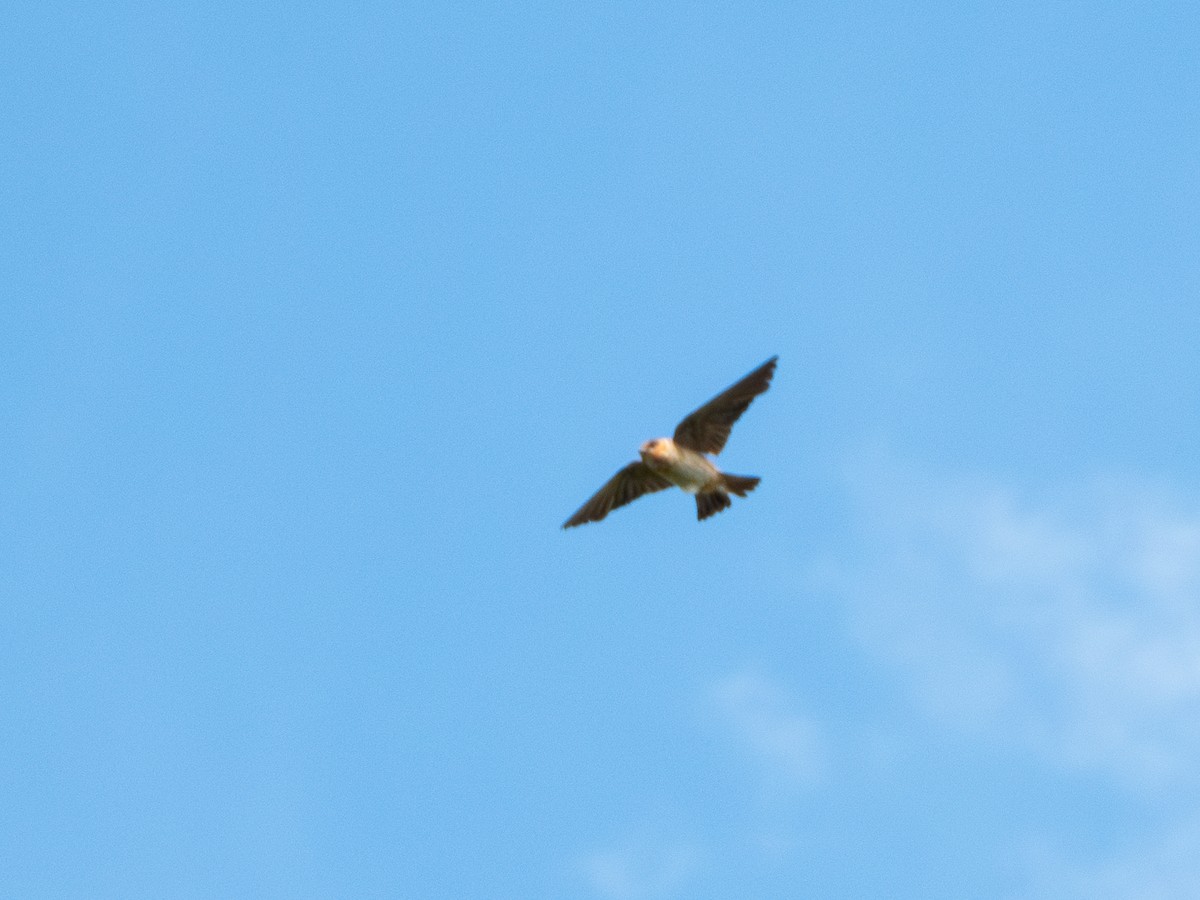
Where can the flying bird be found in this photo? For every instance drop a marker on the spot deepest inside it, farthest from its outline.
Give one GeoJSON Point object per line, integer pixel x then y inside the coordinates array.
{"type": "Point", "coordinates": [681, 460]}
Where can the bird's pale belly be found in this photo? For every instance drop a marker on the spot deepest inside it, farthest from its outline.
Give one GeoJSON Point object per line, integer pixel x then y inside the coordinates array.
{"type": "Point", "coordinates": [691, 472]}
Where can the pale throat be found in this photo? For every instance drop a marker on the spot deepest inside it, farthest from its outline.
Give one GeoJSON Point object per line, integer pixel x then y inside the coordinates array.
{"type": "Point", "coordinates": [684, 468]}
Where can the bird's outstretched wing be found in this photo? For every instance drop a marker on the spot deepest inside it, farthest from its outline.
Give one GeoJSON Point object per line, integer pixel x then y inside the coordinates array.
{"type": "Point", "coordinates": [707, 429]}
{"type": "Point", "coordinates": [624, 487]}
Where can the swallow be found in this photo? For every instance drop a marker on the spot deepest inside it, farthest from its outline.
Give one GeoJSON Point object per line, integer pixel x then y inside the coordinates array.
{"type": "Point", "coordinates": [680, 461]}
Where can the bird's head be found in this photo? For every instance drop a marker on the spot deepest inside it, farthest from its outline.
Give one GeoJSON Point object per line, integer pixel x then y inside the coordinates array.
{"type": "Point", "coordinates": [657, 450]}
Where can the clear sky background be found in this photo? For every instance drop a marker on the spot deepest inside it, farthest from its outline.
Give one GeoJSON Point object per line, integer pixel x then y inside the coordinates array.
{"type": "Point", "coordinates": [317, 321]}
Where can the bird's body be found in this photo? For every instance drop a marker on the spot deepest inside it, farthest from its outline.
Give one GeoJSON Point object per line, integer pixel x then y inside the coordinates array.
{"type": "Point", "coordinates": [684, 468]}
{"type": "Point", "coordinates": [680, 461]}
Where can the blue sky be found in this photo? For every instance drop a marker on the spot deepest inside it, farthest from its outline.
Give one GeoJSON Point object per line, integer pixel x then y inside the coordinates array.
{"type": "Point", "coordinates": [318, 322]}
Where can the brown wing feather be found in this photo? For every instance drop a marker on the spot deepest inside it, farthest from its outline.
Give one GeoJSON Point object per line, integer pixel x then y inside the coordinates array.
{"type": "Point", "coordinates": [624, 487]}
{"type": "Point", "coordinates": [707, 429]}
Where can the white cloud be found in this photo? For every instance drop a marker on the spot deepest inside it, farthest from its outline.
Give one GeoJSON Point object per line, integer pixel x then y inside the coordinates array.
{"type": "Point", "coordinates": [786, 745]}
{"type": "Point", "coordinates": [786, 749]}
{"type": "Point", "coordinates": [641, 868]}
{"type": "Point", "coordinates": [1068, 624]}
{"type": "Point", "coordinates": [1167, 868]}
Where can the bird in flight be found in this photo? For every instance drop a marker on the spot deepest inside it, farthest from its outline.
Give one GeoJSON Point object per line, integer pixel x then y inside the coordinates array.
{"type": "Point", "coordinates": [681, 460]}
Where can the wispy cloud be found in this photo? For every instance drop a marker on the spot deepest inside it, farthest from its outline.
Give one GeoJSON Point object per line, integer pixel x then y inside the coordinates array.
{"type": "Point", "coordinates": [641, 868]}
{"type": "Point", "coordinates": [1166, 868]}
{"type": "Point", "coordinates": [1067, 623]}
{"type": "Point", "coordinates": [786, 745]}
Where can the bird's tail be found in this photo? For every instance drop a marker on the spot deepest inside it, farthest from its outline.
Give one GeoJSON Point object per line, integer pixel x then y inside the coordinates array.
{"type": "Point", "coordinates": [740, 484]}
{"type": "Point", "coordinates": [712, 502]}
